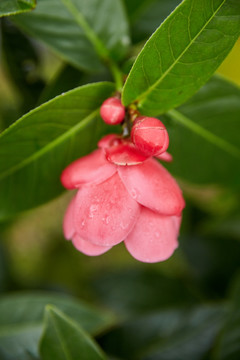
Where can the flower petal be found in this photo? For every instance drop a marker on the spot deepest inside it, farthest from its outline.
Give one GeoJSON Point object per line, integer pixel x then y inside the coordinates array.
{"type": "Point", "coordinates": [88, 248]}
{"type": "Point", "coordinates": [165, 157]}
{"type": "Point", "coordinates": [93, 168]}
{"type": "Point", "coordinates": [105, 213]}
{"type": "Point", "coordinates": [153, 238]}
{"type": "Point", "coordinates": [68, 224]}
{"type": "Point", "coordinates": [152, 186]}
{"type": "Point", "coordinates": [124, 154]}
{"type": "Point", "coordinates": [109, 140]}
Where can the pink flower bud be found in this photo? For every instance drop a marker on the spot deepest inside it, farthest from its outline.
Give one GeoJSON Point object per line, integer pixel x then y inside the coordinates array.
{"type": "Point", "coordinates": [112, 111]}
{"type": "Point", "coordinates": [150, 136]}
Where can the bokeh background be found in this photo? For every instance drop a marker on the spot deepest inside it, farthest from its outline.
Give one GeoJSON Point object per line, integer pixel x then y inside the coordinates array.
{"type": "Point", "coordinates": [204, 270]}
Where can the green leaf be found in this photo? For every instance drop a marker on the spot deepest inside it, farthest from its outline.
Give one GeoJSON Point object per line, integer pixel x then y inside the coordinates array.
{"type": "Point", "coordinates": [21, 321]}
{"type": "Point", "coordinates": [11, 7]}
{"type": "Point", "coordinates": [209, 266]}
{"type": "Point", "coordinates": [228, 346]}
{"type": "Point", "coordinates": [22, 64]}
{"type": "Point", "coordinates": [182, 54]}
{"type": "Point", "coordinates": [64, 339]}
{"type": "Point", "coordinates": [142, 290]}
{"type": "Point", "coordinates": [204, 136]}
{"type": "Point", "coordinates": [35, 150]}
{"type": "Point", "coordinates": [172, 334]}
{"type": "Point", "coordinates": [81, 32]}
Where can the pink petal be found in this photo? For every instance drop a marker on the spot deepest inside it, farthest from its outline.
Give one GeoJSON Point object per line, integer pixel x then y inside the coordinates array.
{"type": "Point", "coordinates": [93, 168]}
{"type": "Point", "coordinates": [88, 248]}
{"type": "Point", "coordinates": [124, 154]}
{"type": "Point", "coordinates": [177, 221]}
{"type": "Point", "coordinates": [165, 157]}
{"type": "Point", "coordinates": [68, 224]}
{"type": "Point", "coordinates": [109, 140]}
{"type": "Point", "coordinates": [154, 237]}
{"type": "Point", "coordinates": [152, 186]}
{"type": "Point", "coordinates": [105, 213]}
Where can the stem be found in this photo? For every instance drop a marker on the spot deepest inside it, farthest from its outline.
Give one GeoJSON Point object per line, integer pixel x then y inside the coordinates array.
{"type": "Point", "coordinates": [207, 135]}
{"type": "Point", "coordinates": [100, 48]}
{"type": "Point", "coordinates": [117, 74]}
{"type": "Point", "coordinates": [126, 126]}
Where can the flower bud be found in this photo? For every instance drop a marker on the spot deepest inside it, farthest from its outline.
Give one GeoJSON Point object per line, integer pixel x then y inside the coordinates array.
{"type": "Point", "coordinates": [150, 136]}
{"type": "Point", "coordinates": [112, 111]}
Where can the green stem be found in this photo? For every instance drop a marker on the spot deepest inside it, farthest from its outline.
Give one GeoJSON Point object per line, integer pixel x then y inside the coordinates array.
{"type": "Point", "coordinates": [116, 73]}
{"type": "Point", "coordinates": [207, 135]}
{"type": "Point", "coordinates": [100, 48]}
{"type": "Point", "coordinates": [80, 20]}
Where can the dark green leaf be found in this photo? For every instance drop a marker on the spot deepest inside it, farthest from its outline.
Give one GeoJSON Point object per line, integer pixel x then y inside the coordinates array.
{"type": "Point", "coordinates": [68, 78]}
{"type": "Point", "coordinates": [64, 339]}
{"type": "Point", "coordinates": [35, 150]}
{"type": "Point", "coordinates": [140, 290]}
{"type": "Point", "coordinates": [81, 32]}
{"type": "Point", "coordinates": [22, 63]}
{"type": "Point", "coordinates": [182, 54]}
{"type": "Point", "coordinates": [173, 334]}
{"type": "Point", "coordinates": [204, 138]}
{"type": "Point", "coordinates": [21, 321]}
{"type": "Point", "coordinates": [209, 266]}
{"type": "Point", "coordinates": [147, 15]}
{"type": "Point", "coordinates": [10, 7]}
{"type": "Point", "coordinates": [228, 347]}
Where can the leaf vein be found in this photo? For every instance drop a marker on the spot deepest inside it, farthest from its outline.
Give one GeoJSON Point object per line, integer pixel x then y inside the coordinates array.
{"type": "Point", "coordinates": [42, 151]}
{"type": "Point", "coordinates": [154, 85]}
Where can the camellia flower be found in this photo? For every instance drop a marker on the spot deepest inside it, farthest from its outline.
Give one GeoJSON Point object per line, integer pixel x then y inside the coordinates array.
{"type": "Point", "coordinates": [123, 195]}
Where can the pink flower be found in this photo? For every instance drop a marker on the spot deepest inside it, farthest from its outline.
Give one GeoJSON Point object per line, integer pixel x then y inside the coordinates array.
{"type": "Point", "coordinates": [122, 196]}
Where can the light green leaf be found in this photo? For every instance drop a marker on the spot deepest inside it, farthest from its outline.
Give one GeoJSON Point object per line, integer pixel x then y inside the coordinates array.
{"type": "Point", "coordinates": [182, 54]}
{"type": "Point", "coordinates": [82, 32]}
{"type": "Point", "coordinates": [21, 321]}
{"type": "Point", "coordinates": [35, 150]}
{"type": "Point", "coordinates": [64, 339]}
{"type": "Point", "coordinates": [204, 136]}
{"type": "Point", "coordinates": [11, 7]}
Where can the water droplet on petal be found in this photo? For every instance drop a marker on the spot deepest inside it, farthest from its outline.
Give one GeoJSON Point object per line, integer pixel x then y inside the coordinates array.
{"type": "Point", "coordinates": [133, 193]}
{"type": "Point", "coordinates": [93, 207]}
{"type": "Point", "coordinates": [123, 226]}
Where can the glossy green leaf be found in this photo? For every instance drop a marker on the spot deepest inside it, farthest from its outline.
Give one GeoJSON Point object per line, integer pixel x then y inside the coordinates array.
{"type": "Point", "coordinates": [35, 150]}
{"type": "Point", "coordinates": [11, 7]}
{"type": "Point", "coordinates": [204, 136]}
{"type": "Point", "coordinates": [182, 54]}
{"type": "Point", "coordinates": [64, 339]}
{"type": "Point", "coordinates": [228, 346]}
{"type": "Point", "coordinates": [172, 334]}
{"type": "Point", "coordinates": [81, 32]}
{"type": "Point", "coordinates": [21, 321]}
